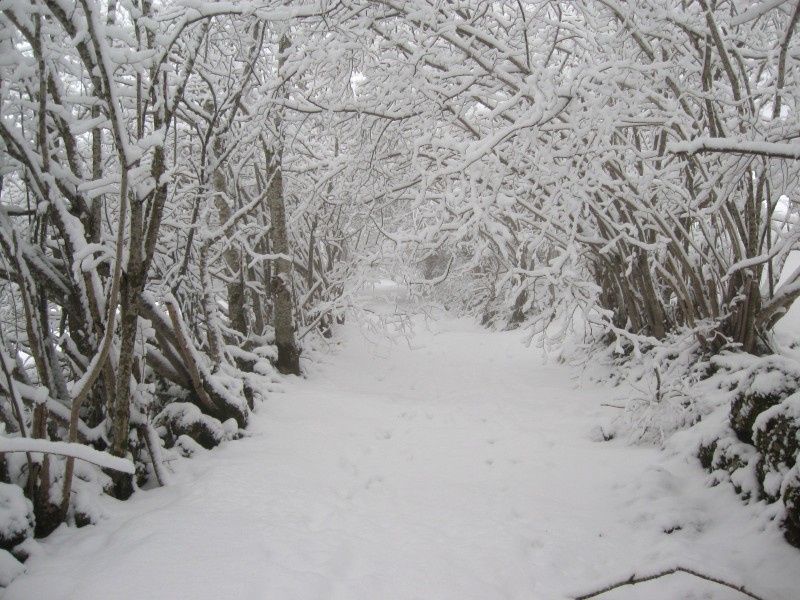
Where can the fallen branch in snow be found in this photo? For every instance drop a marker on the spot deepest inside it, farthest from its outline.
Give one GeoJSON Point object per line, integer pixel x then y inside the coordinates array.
{"type": "Point", "coordinates": [633, 580]}
{"type": "Point", "coordinates": [90, 455]}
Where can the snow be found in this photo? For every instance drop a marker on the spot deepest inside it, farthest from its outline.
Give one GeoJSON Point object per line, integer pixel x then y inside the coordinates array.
{"type": "Point", "coordinates": [709, 144]}
{"type": "Point", "coordinates": [185, 415]}
{"type": "Point", "coordinates": [458, 465]}
{"type": "Point", "coordinates": [16, 513]}
{"type": "Point", "coordinates": [10, 568]}
{"type": "Point", "coordinates": [755, 11]}
{"type": "Point", "coordinates": [789, 407]}
{"type": "Point", "coordinates": [80, 451]}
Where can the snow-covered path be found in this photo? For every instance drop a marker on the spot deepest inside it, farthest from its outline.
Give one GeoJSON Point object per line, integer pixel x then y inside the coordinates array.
{"type": "Point", "coordinates": [462, 469]}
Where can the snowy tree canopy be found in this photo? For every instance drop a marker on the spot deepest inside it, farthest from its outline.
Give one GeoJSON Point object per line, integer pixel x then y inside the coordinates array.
{"type": "Point", "coordinates": [190, 191]}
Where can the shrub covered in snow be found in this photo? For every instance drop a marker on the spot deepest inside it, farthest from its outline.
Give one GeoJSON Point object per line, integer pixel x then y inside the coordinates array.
{"type": "Point", "coordinates": [791, 500]}
{"type": "Point", "coordinates": [777, 438]}
{"type": "Point", "coordinates": [183, 418]}
{"type": "Point", "coordinates": [16, 516]}
{"type": "Point", "coordinates": [756, 448]}
{"type": "Point", "coordinates": [766, 383]}
{"type": "Point", "coordinates": [738, 413]}
{"type": "Point", "coordinates": [729, 458]}
{"type": "Point", "coordinates": [90, 484]}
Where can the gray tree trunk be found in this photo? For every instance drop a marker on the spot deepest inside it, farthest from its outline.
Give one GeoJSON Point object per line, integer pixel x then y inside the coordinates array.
{"type": "Point", "coordinates": [281, 283]}
{"type": "Point", "coordinates": [237, 310]}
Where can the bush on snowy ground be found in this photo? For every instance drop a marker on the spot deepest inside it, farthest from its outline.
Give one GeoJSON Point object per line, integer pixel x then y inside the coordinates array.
{"type": "Point", "coordinates": [722, 453]}
{"type": "Point", "coordinates": [777, 438]}
{"type": "Point", "coordinates": [16, 516]}
{"type": "Point", "coordinates": [752, 439]}
{"type": "Point", "coordinates": [766, 383]}
{"type": "Point", "coordinates": [89, 486]}
{"type": "Point", "coordinates": [183, 418]}
{"type": "Point", "coordinates": [659, 383]}
{"type": "Point", "coordinates": [738, 413]}
{"type": "Point", "coordinates": [16, 527]}
{"type": "Point", "coordinates": [791, 500]}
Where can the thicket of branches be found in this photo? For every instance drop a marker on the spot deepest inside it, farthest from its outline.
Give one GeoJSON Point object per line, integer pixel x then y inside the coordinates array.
{"type": "Point", "coordinates": [631, 160]}
{"type": "Point", "coordinates": [190, 189]}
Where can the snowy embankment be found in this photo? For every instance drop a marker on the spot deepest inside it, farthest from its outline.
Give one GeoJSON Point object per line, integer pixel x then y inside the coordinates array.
{"type": "Point", "coordinates": [462, 468]}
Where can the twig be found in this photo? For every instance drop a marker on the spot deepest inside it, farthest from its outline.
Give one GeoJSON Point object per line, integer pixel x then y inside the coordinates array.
{"type": "Point", "coordinates": [633, 580]}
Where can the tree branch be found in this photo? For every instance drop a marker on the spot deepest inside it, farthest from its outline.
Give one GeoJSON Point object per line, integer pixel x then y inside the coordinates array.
{"type": "Point", "coordinates": [633, 580]}
{"type": "Point", "coordinates": [728, 146]}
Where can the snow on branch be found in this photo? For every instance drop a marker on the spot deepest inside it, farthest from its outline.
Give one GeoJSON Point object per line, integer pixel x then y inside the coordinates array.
{"type": "Point", "coordinates": [90, 455]}
{"type": "Point", "coordinates": [755, 11]}
{"type": "Point", "coordinates": [727, 146]}
{"type": "Point", "coordinates": [438, 279]}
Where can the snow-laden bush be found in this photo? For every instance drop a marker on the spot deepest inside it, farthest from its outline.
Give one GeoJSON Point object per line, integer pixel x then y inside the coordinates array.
{"type": "Point", "coordinates": [662, 386]}
{"type": "Point", "coordinates": [721, 452]}
{"type": "Point", "coordinates": [766, 382]}
{"type": "Point", "coordinates": [739, 414]}
{"type": "Point", "coordinates": [752, 438]}
{"type": "Point", "coordinates": [89, 487]}
{"type": "Point", "coordinates": [777, 438]}
{"type": "Point", "coordinates": [183, 418]}
{"type": "Point", "coordinates": [16, 516]}
{"type": "Point", "coordinates": [791, 500]}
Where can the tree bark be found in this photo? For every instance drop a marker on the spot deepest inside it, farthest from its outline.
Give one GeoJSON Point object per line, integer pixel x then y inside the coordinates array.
{"type": "Point", "coordinates": [237, 312]}
{"type": "Point", "coordinates": [281, 284]}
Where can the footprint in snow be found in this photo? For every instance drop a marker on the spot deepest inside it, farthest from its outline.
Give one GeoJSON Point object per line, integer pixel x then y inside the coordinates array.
{"type": "Point", "coordinates": [348, 466]}
{"type": "Point", "coordinates": [374, 481]}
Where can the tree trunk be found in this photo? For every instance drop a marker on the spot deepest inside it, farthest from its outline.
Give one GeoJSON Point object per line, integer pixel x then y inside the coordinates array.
{"type": "Point", "coordinates": [237, 311]}
{"type": "Point", "coordinates": [281, 284]}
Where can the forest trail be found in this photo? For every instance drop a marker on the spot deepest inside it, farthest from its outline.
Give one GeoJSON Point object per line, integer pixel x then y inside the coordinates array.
{"type": "Point", "coordinates": [458, 467]}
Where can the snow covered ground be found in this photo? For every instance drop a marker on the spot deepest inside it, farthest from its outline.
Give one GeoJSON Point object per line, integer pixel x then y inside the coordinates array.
{"type": "Point", "coordinates": [461, 468]}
